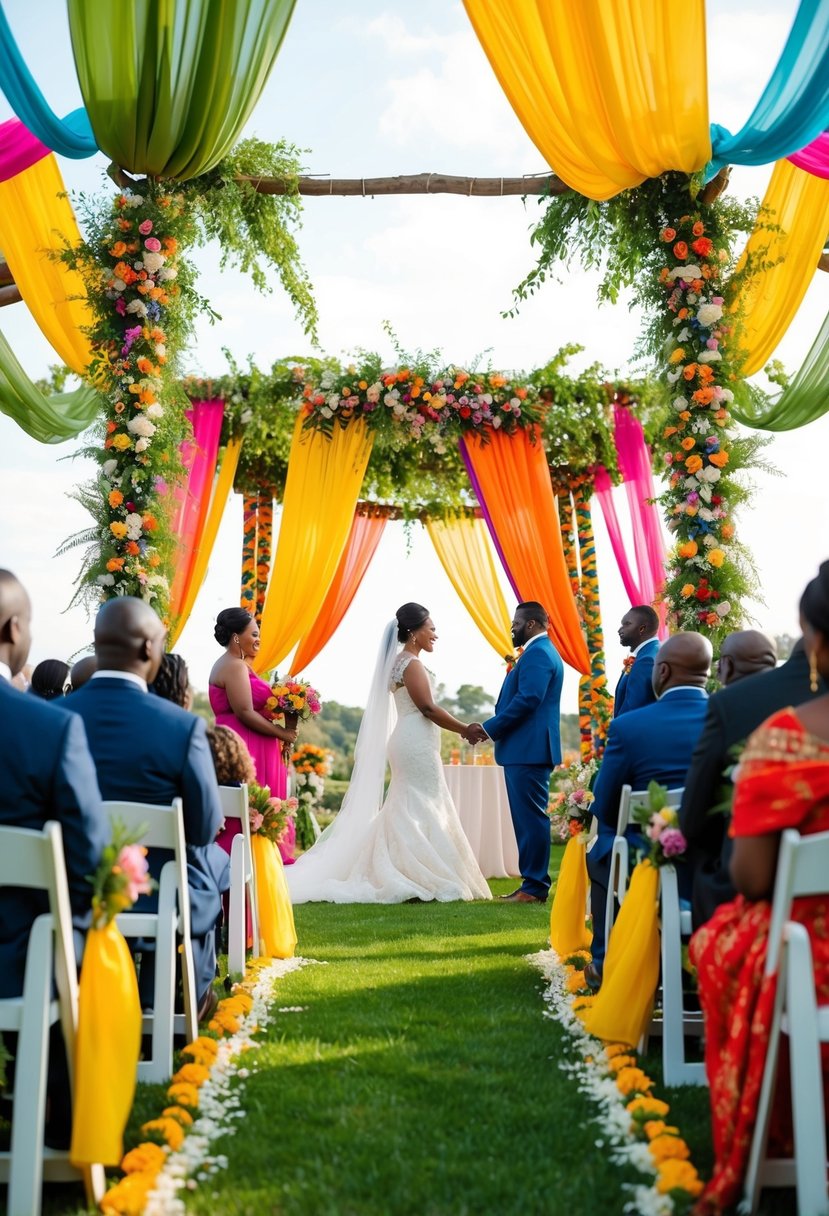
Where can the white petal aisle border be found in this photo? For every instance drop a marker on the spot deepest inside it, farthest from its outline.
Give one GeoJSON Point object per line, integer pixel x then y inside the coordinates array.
{"type": "Point", "coordinates": [632, 1121]}
{"type": "Point", "coordinates": [206, 1096]}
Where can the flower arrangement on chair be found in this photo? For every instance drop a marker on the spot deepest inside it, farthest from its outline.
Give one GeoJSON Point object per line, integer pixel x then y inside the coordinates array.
{"type": "Point", "coordinates": [269, 816]}
{"type": "Point", "coordinates": [312, 765]}
{"type": "Point", "coordinates": [661, 827]}
{"type": "Point", "coordinates": [570, 801]}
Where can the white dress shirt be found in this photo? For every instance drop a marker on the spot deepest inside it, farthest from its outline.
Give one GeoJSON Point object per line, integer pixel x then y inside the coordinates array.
{"type": "Point", "coordinates": [121, 675]}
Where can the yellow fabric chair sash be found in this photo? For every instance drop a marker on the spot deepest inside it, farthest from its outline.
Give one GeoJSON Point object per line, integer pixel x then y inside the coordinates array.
{"type": "Point", "coordinates": [464, 548]}
{"type": "Point", "coordinates": [568, 930]}
{"type": "Point", "coordinates": [276, 915]}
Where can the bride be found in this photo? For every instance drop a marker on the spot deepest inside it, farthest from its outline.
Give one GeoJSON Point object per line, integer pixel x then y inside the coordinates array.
{"type": "Point", "coordinates": [412, 845]}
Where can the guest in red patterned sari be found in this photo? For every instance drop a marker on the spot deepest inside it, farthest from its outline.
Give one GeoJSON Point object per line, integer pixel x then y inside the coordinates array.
{"type": "Point", "coordinates": [782, 782]}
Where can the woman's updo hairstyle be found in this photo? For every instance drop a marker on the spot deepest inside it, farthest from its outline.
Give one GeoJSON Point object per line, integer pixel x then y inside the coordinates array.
{"type": "Point", "coordinates": [409, 618]}
{"type": "Point", "coordinates": [814, 603]}
{"type": "Point", "coordinates": [230, 622]}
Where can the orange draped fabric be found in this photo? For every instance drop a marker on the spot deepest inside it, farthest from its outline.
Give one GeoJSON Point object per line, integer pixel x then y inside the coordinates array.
{"type": "Point", "coordinates": [366, 531]}
{"type": "Point", "coordinates": [513, 477]}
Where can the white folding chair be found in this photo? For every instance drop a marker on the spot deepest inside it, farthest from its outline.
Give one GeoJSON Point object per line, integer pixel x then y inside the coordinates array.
{"type": "Point", "coordinates": [802, 869]}
{"type": "Point", "coordinates": [676, 1022]}
{"type": "Point", "coordinates": [35, 860]}
{"type": "Point", "coordinates": [234, 800]}
{"type": "Point", "coordinates": [163, 827]}
{"type": "Point", "coordinates": [617, 883]}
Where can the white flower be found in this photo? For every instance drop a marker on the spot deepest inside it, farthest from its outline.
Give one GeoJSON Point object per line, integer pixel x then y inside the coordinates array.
{"type": "Point", "coordinates": [141, 445]}
{"type": "Point", "coordinates": [326, 412]}
{"type": "Point", "coordinates": [683, 335]}
{"type": "Point", "coordinates": [153, 261]}
{"type": "Point", "coordinates": [154, 411]}
{"type": "Point", "coordinates": [709, 356]}
{"type": "Point", "coordinates": [705, 492]}
{"type": "Point", "coordinates": [680, 404]}
{"type": "Point", "coordinates": [723, 608]}
{"type": "Point", "coordinates": [134, 524]}
{"type": "Point", "coordinates": [692, 271]}
{"type": "Point", "coordinates": [160, 349]}
{"type": "Point", "coordinates": [691, 297]}
{"type": "Point", "coordinates": [166, 273]}
{"type": "Point", "coordinates": [109, 467]}
{"type": "Point", "coordinates": [138, 307]}
{"type": "Point", "coordinates": [139, 425]}
{"type": "Point", "coordinates": [711, 474]}
{"type": "Point", "coordinates": [726, 395]}
{"type": "Point", "coordinates": [118, 285]}
{"type": "Point", "coordinates": [373, 392]}
{"type": "Point", "coordinates": [709, 541]}
{"type": "Point", "coordinates": [246, 416]}
{"type": "Point", "coordinates": [706, 515]}
{"type": "Point", "coordinates": [672, 377]}
{"type": "Point", "coordinates": [709, 314]}
{"type": "Point", "coordinates": [133, 200]}
{"type": "Point", "coordinates": [333, 401]}
{"type": "Point", "coordinates": [496, 422]}
{"type": "Point", "coordinates": [105, 580]}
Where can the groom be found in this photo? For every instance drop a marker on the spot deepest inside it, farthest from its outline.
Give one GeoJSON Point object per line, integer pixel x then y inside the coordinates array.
{"type": "Point", "coordinates": [525, 730]}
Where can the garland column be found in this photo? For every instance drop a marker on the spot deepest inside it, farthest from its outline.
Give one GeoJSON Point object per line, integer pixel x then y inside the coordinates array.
{"type": "Point", "coordinates": [247, 595]}
{"type": "Point", "coordinates": [264, 546]}
{"type": "Point", "coordinates": [568, 540]}
{"type": "Point", "coordinates": [600, 704]}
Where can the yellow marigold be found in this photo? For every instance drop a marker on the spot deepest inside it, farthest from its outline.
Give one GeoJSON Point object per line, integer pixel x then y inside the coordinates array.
{"type": "Point", "coordinates": [575, 982]}
{"type": "Point", "coordinates": [234, 1005]}
{"type": "Point", "coordinates": [223, 1023]}
{"type": "Point", "coordinates": [647, 1108]}
{"type": "Point", "coordinates": [192, 1074]}
{"type": "Point", "coordinates": [654, 1127]}
{"type": "Point", "coordinates": [667, 1148]}
{"type": "Point", "coordinates": [169, 1130]}
{"type": "Point", "coordinates": [178, 1113]}
{"type": "Point", "coordinates": [715, 557]}
{"type": "Point", "coordinates": [115, 498]}
{"type": "Point", "coordinates": [616, 1049]}
{"type": "Point", "coordinates": [677, 356]}
{"type": "Point", "coordinates": [121, 442]}
{"type": "Point", "coordinates": [687, 590]}
{"type": "Point", "coordinates": [183, 1094]}
{"type": "Point", "coordinates": [145, 1158]}
{"type": "Point", "coordinates": [129, 1196]}
{"type": "Point", "coordinates": [204, 1058]}
{"type": "Point", "coordinates": [616, 1063]}
{"type": "Point", "coordinates": [245, 998]}
{"type": "Point", "coordinates": [678, 1176]}
{"type": "Point", "coordinates": [688, 548]}
{"type": "Point", "coordinates": [118, 530]}
{"type": "Point", "coordinates": [630, 1080]}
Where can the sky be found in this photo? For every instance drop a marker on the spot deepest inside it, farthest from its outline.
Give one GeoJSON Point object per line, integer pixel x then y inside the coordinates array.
{"type": "Point", "coordinates": [389, 87]}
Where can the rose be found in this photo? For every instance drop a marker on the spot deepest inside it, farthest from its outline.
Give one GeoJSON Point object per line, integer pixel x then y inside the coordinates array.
{"type": "Point", "coordinates": [145, 227]}
{"type": "Point", "coordinates": [668, 234]}
{"type": "Point", "coordinates": [132, 862]}
{"type": "Point", "coordinates": [153, 244]}
{"type": "Point", "coordinates": [709, 314]}
{"type": "Point", "coordinates": [673, 842]}
{"type": "Point", "coordinates": [681, 252]}
{"type": "Point", "coordinates": [153, 262]}
{"type": "Point", "coordinates": [703, 246]}
{"type": "Point", "coordinates": [141, 426]}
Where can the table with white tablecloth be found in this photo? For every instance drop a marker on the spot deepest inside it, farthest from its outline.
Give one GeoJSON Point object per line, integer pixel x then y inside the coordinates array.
{"type": "Point", "coordinates": [480, 795]}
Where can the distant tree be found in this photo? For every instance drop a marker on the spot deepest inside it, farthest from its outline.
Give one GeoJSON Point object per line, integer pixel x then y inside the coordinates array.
{"type": "Point", "coordinates": [473, 702]}
{"type": "Point", "coordinates": [785, 646]}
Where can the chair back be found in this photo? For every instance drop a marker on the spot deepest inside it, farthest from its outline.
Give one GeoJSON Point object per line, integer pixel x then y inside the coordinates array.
{"type": "Point", "coordinates": [631, 800]}
{"type": "Point", "coordinates": [235, 805]}
{"type": "Point", "coordinates": [160, 827]}
{"type": "Point", "coordinates": [802, 869]}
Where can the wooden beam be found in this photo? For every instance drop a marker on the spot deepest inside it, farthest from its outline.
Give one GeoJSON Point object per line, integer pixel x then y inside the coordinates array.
{"type": "Point", "coordinates": [413, 183]}
{"type": "Point", "coordinates": [6, 275]}
{"type": "Point", "coordinates": [9, 295]}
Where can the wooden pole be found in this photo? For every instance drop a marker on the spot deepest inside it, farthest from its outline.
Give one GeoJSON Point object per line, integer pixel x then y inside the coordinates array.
{"type": "Point", "coordinates": [413, 183]}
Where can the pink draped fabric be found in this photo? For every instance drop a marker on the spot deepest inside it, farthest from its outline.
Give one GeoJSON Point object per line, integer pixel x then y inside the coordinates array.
{"type": "Point", "coordinates": [814, 158]}
{"type": "Point", "coordinates": [199, 456]}
{"type": "Point", "coordinates": [603, 490]}
{"type": "Point", "coordinates": [19, 149]}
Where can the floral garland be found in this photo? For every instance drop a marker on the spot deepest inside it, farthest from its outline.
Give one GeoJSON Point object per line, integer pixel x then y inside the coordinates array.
{"type": "Point", "coordinates": [632, 1120]}
{"type": "Point", "coordinates": [247, 594]}
{"type": "Point", "coordinates": [204, 1102]}
{"type": "Point", "coordinates": [599, 700]}
{"type": "Point", "coordinates": [706, 574]}
{"type": "Point", "coordinates": [311, 766]}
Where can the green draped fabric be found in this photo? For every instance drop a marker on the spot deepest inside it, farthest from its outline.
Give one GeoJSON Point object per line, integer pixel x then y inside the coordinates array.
{"type": "Point", "coordinates": [802, 401]}
{"type": "Point", "coordinates": [169, 84]}
{"type": "Point", "coordinates": [47, 419]}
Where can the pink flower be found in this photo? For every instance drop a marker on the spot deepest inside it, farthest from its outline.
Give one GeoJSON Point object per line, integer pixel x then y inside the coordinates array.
{"type": "Point", "coordinates": [673, 842]}
{"type": "Point", "coordinates": [132, 862]}
{"type": "Point", "coordinates": [256, 821]}
{"type": "Point", "coordinates": [146, 227]}
{"type": "Point", "coordinates": [153, 244]}
{"type": "Point", "coordinates": [120, 306]}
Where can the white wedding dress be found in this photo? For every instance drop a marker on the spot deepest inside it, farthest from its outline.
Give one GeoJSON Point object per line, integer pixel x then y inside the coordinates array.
{"type": "Point", "coordinates": [413, 847]}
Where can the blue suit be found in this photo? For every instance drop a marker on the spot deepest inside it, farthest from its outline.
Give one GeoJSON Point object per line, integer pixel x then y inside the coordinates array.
{"type": "Point", "coordinates": [148, 750]}
{"type": "Point", "coordinates": [46, 772]}
{"type": "Point", "coordinates": [525, 730]}
{"type": "Point", "coordinates": [650, 744]}
{"type": "Point", "coordinates": [634, 689]}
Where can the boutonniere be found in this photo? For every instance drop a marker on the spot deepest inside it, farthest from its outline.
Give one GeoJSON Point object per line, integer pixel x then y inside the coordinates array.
{"type": "Point", "coordinates": [628, 663]}
{"type": "Point", "coordinates": [512, 659]}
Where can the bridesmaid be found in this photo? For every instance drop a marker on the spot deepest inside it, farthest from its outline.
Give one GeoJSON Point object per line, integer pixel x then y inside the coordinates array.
{"type": "Point", "coordinates": [238, 695]}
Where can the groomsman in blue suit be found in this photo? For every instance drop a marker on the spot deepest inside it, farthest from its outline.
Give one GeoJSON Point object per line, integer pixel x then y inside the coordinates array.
{"type": "Point", "coordinates": [654, 743]}
{"type": "Point", "coordinates": [637, 631]}
{"type": "Point", "coordinates": [147, 749]}
{"type": "Point", "coordinates": [525, 730]}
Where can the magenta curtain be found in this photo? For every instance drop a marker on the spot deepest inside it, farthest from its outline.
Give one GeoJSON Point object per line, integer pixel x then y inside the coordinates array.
{"type": "Point", "coordinates": [814, 158]}
{"type": "Point", "coordinates": [603, 490]}
{"type": "Point", "coordinates": [199, 456]}
{"type": "Point", "coordinates": [19, 149]}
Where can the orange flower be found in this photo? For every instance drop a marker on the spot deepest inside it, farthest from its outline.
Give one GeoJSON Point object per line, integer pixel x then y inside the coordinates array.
{"type": "Point", "coordinates": [115, 564]}
{"type": "Point", "coordinates": [668, 234]}
{"type": "Point", "coordinates": [149, 522]}
{"type": "Point", "coordinates": [170, 244]}
{"type": "Point", "coordinates": [715, 557]}
{"type": "Point", "coordinates": [118, 249]}
{"type": "Point", "coordinates": [687, 591]}
{"type": "Point", "coordinates": [115, 498]}
{"type": "Point", "coordinates": [703, 246]}
{"type": "Point", "coordinates": [689, 443]}
{"type": "Point", "coordinates": [154, 560]}
{"type": "Point", "coordinates": [132, 548]}
{"type": "Point", "coordinates": [678, 1175]}
{"type": "Point", "coordinates": [669, 430]}
{"type": "Point", "coordinates": [698, 228]}
{"type": "Point", "coordinates": [111, 427]}
{"type": "Point", "coordinates": [667, 1148]}
{"type": "Point", "coordinates": [145, 366]}
{"type": "Point", "coordinates": [687, 549]}
{"type": "Point", "coordinates": [693, 464]}
{"type": "Point", "coordinates": [170, 1131]}
{"type": "Point", "coordinates": [720, 459]}
{"type": "Point", "coordinates": [727, 531]}
{"type": "Point", "coordinates": [690, 371]}
{"type": "Point", "coordinates": [703, 395]}
{"type": "Point", "coordinates": [145, 1158]}
{"type": "Point", "coordinates": [631, 1080]}
{"type": "Point", "coordinates": [677, 355]}
{"type": "Point", "coordinates": [181, 1115]}
{"type": "Point", "coordinates": [682, 314]}
{"type": "Point", "coordinates": [685, 415]}
{"type": "Point", "coordinates": [680, 251]}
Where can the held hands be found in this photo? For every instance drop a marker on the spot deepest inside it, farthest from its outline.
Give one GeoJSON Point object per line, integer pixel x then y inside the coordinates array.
{"type": "Point", "coordinates": [474, 733]}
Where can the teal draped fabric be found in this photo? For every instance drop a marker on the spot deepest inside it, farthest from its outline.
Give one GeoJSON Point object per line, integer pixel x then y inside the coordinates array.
{"type": "Point", "coordinates": [47, 419]}
{"type": "Point", "coordinates": [794, 107]}
{"type": "Point", "coordinates": [804, 400]}
{"type": "Point", "coordinates": [71, 136]}
{"type": "Point", "coordinates": [169, 84]}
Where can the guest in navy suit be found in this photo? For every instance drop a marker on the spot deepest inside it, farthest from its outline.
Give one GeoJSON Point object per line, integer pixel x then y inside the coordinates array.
{"type": "Point", "coordinates": [637, 631]}
{"type": "Point", "coordinates": [650, 744]}
{"type": "Point", "coordinates": [148, 750]}
{"type": "Point", "coordinates": [46, 773]}
{"type": "Point", "coordinates": [525, 730]}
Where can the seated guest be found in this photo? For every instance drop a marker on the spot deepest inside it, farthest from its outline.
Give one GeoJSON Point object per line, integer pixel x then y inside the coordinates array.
{"type": "Point", "coordinates": [650, 744]}
{"type": "Point", "coordinates": [782, 782]}
{"type": "Point", "coordinates": [638, 631]}
{"type": "Point", "coordinates": [81, 672]}
{"type": "Point", "coordinates": [49, 679]}
{"type": "Point", "coordinates": [234, 766]}
{"type": "Point", "coordinates": [173, 681]}
{"type": "Point", "coordinates": [46, 772]}
{"type": "Point", "coordinates": [147, 750]}
{"type": "Point", "coordinates": [733, 713]}
{"type": "Point", "coordinates": [745, 653]}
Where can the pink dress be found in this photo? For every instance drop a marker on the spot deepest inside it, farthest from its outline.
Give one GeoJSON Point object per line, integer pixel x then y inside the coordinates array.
{"type": "Point", "coordinates": [265, 751]}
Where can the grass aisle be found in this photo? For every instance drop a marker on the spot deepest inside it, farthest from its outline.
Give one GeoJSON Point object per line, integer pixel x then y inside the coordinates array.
{"type": "Point", "coordinates": [420, 1078]}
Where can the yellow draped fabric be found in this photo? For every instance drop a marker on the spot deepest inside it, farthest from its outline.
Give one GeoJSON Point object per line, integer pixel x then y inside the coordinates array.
{"type": "Point", "coordinates": [568, 931]}
{"type": "Point", "coordinates": [276, 915]}
{"type": "Point", "coordinates": [34, 219]}
{"type": "Point", "coordinates": [218, 501]}
{"type": "Point", "coordinates": [107, 1046]}
{"type": "Point", "coordinates": [321, 490]}
{"type": "Point", "coordinates": [621, 1011]}
{"type": "Point", "coordinates": [798, 202]}
{"type": "Point", "coordinates": [465, 550]}
{"type": "Point", "coordinates": [609, 91]}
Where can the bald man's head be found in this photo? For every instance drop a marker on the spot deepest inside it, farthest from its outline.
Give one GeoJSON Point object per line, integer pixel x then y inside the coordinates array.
{"type": "Point", "coordinates": [129, 637]}
{"type": "Point", "coordinates": [685, 659]}
{"type": "Point", "coordinates": [82, 670]}
{"type": "Point", "coordinates": [15, 622]}
{"type": "Point", "coordinates": [745, 654]}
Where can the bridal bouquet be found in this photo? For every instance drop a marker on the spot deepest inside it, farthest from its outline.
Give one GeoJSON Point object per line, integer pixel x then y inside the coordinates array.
{"type": "Point", "coordinates": [571, 797]}
{"type": "Point", "coordinates": [661, 826]}
{"type": "Point", "coordinates": [269, 816]}
{"type": "Point", "coordinates": [292, 697]}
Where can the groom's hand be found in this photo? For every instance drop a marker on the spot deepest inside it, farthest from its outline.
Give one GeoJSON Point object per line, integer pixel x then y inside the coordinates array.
{"type": "Point", "coordinates": [475, 733]}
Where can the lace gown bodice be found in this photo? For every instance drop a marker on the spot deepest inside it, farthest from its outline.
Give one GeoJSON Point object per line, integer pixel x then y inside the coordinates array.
{"type": "Point", "coordinates": [415, 848]}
